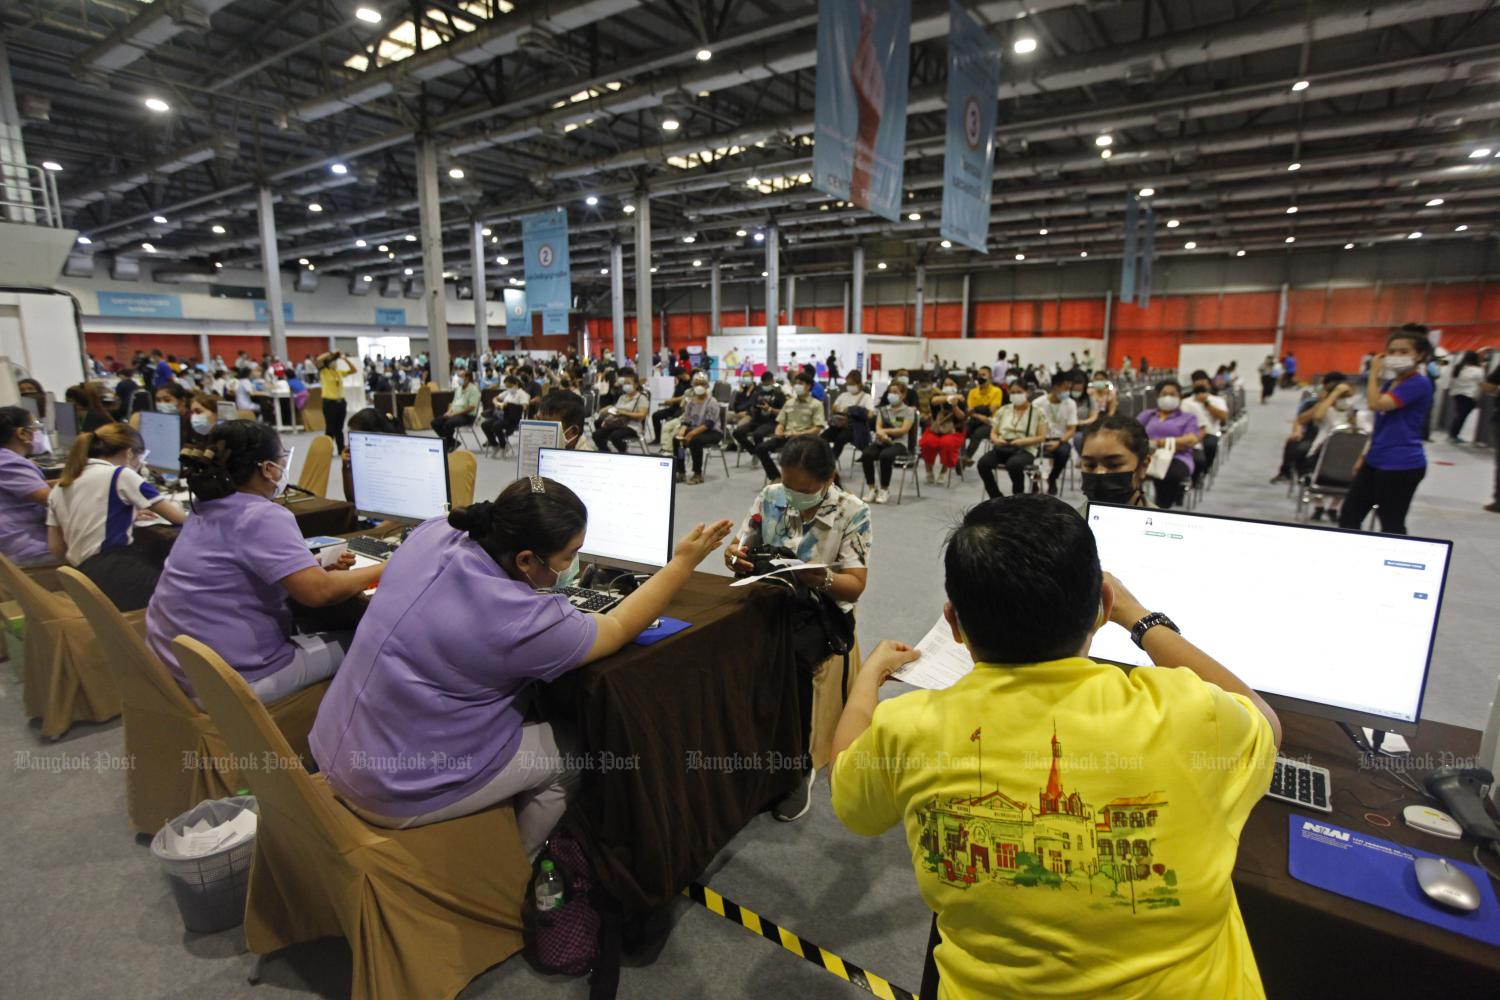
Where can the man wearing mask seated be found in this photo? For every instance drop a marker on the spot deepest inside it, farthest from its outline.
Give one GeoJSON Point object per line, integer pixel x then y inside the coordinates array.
{"type": "Point", "coordinates": [1073, 842]}
{"type": "Point", "coordinates": [766, 403]}
{"type": "Point", "coordinates": [801, 415]}
{"type": "Point", "coordinates": [741, 410]}
{"type": "Point", "coordinates": [985, 400]}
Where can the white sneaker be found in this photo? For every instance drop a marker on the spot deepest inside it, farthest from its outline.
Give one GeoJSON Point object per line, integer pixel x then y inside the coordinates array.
{"type": "Point", "coordinates": [945, 477]}
{"type": "Point", "coordinates": [931, 480]}
{"type": "Point", "coordinates": [868, 492]}
{"type": "Point", "coordinates": [881, 496]}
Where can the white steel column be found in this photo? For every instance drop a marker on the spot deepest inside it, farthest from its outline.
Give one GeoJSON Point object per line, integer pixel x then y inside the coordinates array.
{"type": "Point", "coordinates": [715, 298]}
{"type": "Point", "coordinates": [617, 299]}
{"type": "Point", "coordinates": [481, 296]}
{"type": "Point", "coordinates": [643, 346]}
{"type": "Point", "coordinates": [857, 293]}
{"type": "Point", "coordinates": [773, 281]}
{"type": "Point", "coordinates": [963, 321]}
{"type": "Point", "coordinates": [921, 294]}
{"type": "Point", "coordinates": [270, 267]}
{"type": "Point", "coordinates": [429, 210]}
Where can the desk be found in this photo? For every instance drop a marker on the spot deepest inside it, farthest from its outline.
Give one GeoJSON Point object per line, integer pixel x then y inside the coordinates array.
{"type": "Point", "coordinates": [315, 516]}
{"type": "Point", "coordinates": [1313, 943]}
{"type": "Point", "coordinates": [723, 687]}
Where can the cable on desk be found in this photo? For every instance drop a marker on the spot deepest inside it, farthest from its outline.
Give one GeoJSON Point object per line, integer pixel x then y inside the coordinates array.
{"type": "Point", "coordinates": [1479, 856]}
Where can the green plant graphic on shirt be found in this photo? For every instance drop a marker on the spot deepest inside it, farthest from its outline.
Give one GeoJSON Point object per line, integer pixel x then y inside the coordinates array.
{"type": "Point", "coordinates": [1060, 843]}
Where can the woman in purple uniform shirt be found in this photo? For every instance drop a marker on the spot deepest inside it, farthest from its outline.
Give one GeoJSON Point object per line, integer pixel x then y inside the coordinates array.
{"type": "Point", "coordinates": [23, 491]}
{"type": "Point", "coordinates": [1399, 395]}
{"type": "Point", "coordinates": [1168, 424]}
{"type": "Point", "coordinates": [426, 719]}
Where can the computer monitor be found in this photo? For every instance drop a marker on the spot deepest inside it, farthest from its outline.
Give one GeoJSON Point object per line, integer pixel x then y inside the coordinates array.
{"type": "Point", "coordinates": [1327, 622]}
{"type": "Point", "coordinates": [630, 500]}
{"type": "Point", "coordinates": [399, 478]}
{"type": "Point", "coordinates": [66, 420]}
{"type": "Point", "coordinates": [162, 433]}
{"type": "Point", "coordinates": [28, 403]}
{"type": "Point", "coordinates": [227, 410]}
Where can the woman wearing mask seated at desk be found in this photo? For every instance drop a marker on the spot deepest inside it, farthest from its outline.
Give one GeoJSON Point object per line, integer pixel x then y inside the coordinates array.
{"type": "Point", "coordinates": [428, 676]}
{"type": "Point", "coordinates": [203, 413]}
{"type": "Point", "coordinates": [23, 491]}
{"type": "Point", "coordinates": [1114, 455]}
{"type": "Point", "coordinates": [1169, 425]}
{"type": "Point", "coordinates": [238, 559]}
{"type": "Point", "coordinates": [91, 515]}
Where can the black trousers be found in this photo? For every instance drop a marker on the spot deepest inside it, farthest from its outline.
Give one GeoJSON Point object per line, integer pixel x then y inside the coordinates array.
{"type": "Point", "coordinates": [127, 575]}
{"type": "Point", "coordinates": [751, 434]}
{"type": "Point", "coordinates": [838, 439]}
{"type": "Point", "coordinates": [695, 448]}
{"type": "Point", "coordinates": [1203, 457]}
{"type": "Point", "coordinates": [619, 437]}
{"type": "Point", "coordinates": [886, 455]}
{"type": "Point", "coordinates": [765, 449]}
{"type": "Point", "coordinates": [447, 426]}
{"type": "Point", "coordinates": [1015, 460]}
{"type": "Point", "coordinates": [334, 412]}
{"type": "Point", "coordinates": [1462, 407]}
{"type": "Point", "coordinates": [977, 431]}
{"type": "Point", "coordinates": [1267, 386]}
{"type": "Point", "coordinates": [494, 430]}
{"type": "Point", "coordinates": [1059, 461]}
{"type": "Point", "coordinates": [1170, 488]}
{"type": "Point", "coordinates": [1389, 489]}
{"type": "Point", "coordinates": [1294, 458]}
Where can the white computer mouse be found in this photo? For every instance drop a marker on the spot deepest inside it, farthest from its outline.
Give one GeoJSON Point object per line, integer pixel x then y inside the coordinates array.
{"type": "Point", "coordinates": [1446, 884]}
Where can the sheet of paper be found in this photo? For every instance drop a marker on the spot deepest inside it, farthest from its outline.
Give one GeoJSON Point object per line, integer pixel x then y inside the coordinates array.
{"type": "Point", "coordinates": [782, 566]}
{"type": "Point", "coordinates": [942, 664]}
{"type": "Point", "coordinates": [362, 561]}
{"type": "Point", "coordinates": [533, 436]}
{"type": "Point", "coordinates": [329, 555]}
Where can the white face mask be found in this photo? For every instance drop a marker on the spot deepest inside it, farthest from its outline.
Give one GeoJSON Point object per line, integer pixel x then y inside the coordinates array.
{"type": "Point", "coordinates": [893, 398]}
{"type": "Point", "coordinates": [1343, 404]}
{"type": "Point", "coordinates": [201, 423]}
{"type": "Point", "coordinates": [285, 476]}
{"type": "Point", "coordinates": [1168, 403]}
{"type": "Point", "coordinates": [628, 388]}
{"type": "Point", "coordinates": [1397, 364]}
{"type": "Point", "coordinates": [700, 390]}
{"type": "Point", "coordinates": [950, 389]}
{"type": "Point", "coordinates": [800, 390]}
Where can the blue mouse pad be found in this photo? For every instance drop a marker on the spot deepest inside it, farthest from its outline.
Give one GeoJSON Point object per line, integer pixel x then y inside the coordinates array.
{"type": "Point", "coordinates": [1380, 872]}
{"type": "Point", "coordinates": [668, 626]}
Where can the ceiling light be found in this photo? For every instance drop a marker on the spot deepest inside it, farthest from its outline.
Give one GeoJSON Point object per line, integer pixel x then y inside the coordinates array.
{"type": "Point", "coordinates": [312, 267]}
{"type": "Point", "coordinates": [219, 264]}
{"type": "Point", "coordinates": [315, 207]}
{"type": "Point", "coordinates": [158, 105]}
{"type": "Point", "coordinates": [382, 248]}
{"type": "Point", "coordinates": [160, 220]}
{"type": "Point", "coordinates": [946, 244]}
{"type": "Point", "coordinates": [880, 266]}
{"type": "Point", "coordinates": [148, 247]}
{"type": "Point", "coordinates": [1294, 166]}
{"type": "Point", "coordinates": [1348, 246]}
{"type": "Point", "coordinates": [1147, 192]}
{"type": "Point", "coordinates": [361, 244]}
{"type": "Point", "coordinates": [653, 269]}
{"type": "Point", "coordinates": [1042, 232]}
{"type": "Point", "coordinates": [1479, 153]}
{"type": "Point", "coordinates": [763, 274]}
{"type": "Point", "coordinates": [1083, 253]}
{"type": "Point", "coordinates": [603, 270]}
{"type": "Point", "coordinates": [592, 199]}
{"type": "Point", "coordinates": [704, 55]}
{"type": "Point", "coordinates": [1291, 239]}
{"type": "Point", "coordinates": [670, 124]}
{"type": "Point", "coordinates": [913, 216]}
{"type": "Point", "coordinates": [760, 237]}
{"type": "Point", "coordinates": [1025, 45]}
{"type": "Point", "coordinates": [367, 15]}
{"type": "Point", "coordinates": [457, 173]}
{"type": "Point", "coordinates": [1020, 256]}
{"type": "Point", "coordinates": [697, 263]}
{"type": "Point", "coordinates": [408, 272]}
{"type": "Point", "coordinates": [1300, 86]}
{"type": "Point", "coordinates": [740, 233]}
{"type": "Point", "coordinates": [1239, 253]}
{"type": "Point", "coordinates": [628, 209]}
{"type": "Point", "coordinates": [1434, 203]}
{"type": "Point", "coordinates": [752, 181]}
{"type": "Point", "coordinates": [338, 168]}
{"type": "Point", "coordinates": [390, 256]}
{"type": "Point", "coordinates": [84, 241]}
{"type": "Point", "coordinates": [366, 278]}
{"type": "Point", "coordinates": [1173, 223]}
{"type": "Point", "coordinates": [1104, 140]}
{"type": "Point", "coordinates": [690, 238]}
{"type": "Point", "coordinates": [502, 261]}
{"type": "Point", "coordinates": [52, 165]}
{"type": "Point", "coordinates": [1461, 229]}
{"type": "Point", "coordinates": [1414, 236]}
{"type": "Point", "coordinates": [494, 240]}
{"type": "Point", "coordinates": [410, 238]}
{"type": "Point", "coordinates": [1190, 245]}
{"type": "Point", "coordinates": [485, 231]}
{"type": "Point", "coordinates": [218, 230]}
{"type": "Point", "coordinates": [1292, 210]}
{"type": "Point", "coordinates": [1106, 154]}
{"type": "Point", "coordinates": [302, 261]}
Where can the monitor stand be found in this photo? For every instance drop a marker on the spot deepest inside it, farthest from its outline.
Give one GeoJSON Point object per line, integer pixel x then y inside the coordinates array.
{"type": "Point", "coordinates": [1371, 746]}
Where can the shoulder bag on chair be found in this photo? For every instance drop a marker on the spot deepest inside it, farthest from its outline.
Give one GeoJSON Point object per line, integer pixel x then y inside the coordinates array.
{"type": "Point", "coordinates": [1161, 461]}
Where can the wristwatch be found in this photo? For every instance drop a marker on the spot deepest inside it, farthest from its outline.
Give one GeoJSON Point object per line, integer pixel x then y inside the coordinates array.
{"type": "Point", "coordinates": [1139, 629]}
{"type": "Point", "coordinates": [827, 584]}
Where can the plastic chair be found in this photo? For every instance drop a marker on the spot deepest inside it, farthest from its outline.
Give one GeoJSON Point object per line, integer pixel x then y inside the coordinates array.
{"type": "Point", "coordinates": [66, 678]}
{"type": "Point", "coordinates": [1334, 472]}
{"type": "Point", "coordinates": [421, 915]}
{"type": "Point", "coordinates": [314, 477]}
{"type": "Point", "coordinates": [909, 464]}
{"type": "Point", "coordinates": [312, 413]}
{"type": "Point", "coordinates": [173, 745]}
{"type": "Point", "coordinates": [463, 470]}
{"type": "Point", "coordinates": [418, 416]}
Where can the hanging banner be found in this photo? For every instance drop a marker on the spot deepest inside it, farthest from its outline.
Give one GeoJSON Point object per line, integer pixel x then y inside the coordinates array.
{"type": "Point", "coordinates": [1127, 262]}
{"type": "Point", "coordinates": [968, 163]}
{"type": "Point", "coordinates": [517, 317]}
{"type": "Point", "coordinates": [544, 240]}
{"type": "Point", "coordinates": [263, 315]}
{"type": "Point", "coordinates": [1148, 254]}
{"type": "Point", "coordinates": [859, 126]}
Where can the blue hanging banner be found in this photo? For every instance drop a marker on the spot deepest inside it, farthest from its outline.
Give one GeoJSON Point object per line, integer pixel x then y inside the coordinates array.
{"type": "Point", "coordinates": [390, 316]}
{"type": "Point", "coordinates": [549, 288]}
{"type": "Point", "coordinates": [1148, 254]}
{"type": "Point", "coordinates": [969, 161]}
{"type": "Point", "coordinates": [859, 125]}
{"type": "Point", "coordinates": [140, 304]}
{"type": "Point", "coordinates": [1127, 262]}
{"type": "Point", "coordinates": [517, 317]}
{"type": "Point", "coordinates": [263, 315]}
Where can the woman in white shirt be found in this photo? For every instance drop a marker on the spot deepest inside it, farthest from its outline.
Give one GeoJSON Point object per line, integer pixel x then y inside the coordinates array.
{"type": "Point", "coordinates": [1019, 430]}
{"type": "Point", "coordinates": [1464, 391]}
{"type": "Point", "coordinates": [625, 419]}
{"type": "Point", "coordinates": [91, 515]}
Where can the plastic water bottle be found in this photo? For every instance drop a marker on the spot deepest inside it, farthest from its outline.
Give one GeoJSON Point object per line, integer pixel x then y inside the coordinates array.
{"type": "Point", "coordinates": [549, 889]}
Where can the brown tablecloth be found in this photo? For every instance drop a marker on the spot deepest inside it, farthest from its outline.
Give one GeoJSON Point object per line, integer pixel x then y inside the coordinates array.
{"type": "Point", "coordinates": [687, 739]}
{"type": "Point", "coordinates": [315, 516]}
{"type": "Point", "coordinates": [1313, 943]}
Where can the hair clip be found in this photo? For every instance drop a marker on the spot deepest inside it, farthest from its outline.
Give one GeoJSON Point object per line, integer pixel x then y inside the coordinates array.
{"type": "Point", "coordinates": [536, 485]}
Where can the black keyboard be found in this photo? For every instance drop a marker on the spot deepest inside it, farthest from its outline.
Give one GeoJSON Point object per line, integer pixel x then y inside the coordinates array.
{"type": "Point", "coordinates": [374, 548]}
{"type": "Point", "coordinates": [595, 601]}
{"type": "Point", "coordinates": [1301, 784]}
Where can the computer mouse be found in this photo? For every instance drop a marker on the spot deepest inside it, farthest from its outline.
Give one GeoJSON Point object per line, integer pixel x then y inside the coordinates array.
{"type": "Point", "coordinates": [1447, 884]}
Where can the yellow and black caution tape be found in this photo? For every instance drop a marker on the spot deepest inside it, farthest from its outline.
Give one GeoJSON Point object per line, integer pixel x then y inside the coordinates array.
{"type": "Point", "coordinates": [799, 946]}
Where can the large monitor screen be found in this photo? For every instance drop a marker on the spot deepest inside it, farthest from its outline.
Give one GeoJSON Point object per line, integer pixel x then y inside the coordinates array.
{"type": "Point", "coordinates": [1335, 623]}
{"type": "Point", "coordinates": [66, 418]}
{"type": "Point", "coordinates": [629, 500]}
{"type": "Point", "coordinates": [397, 477]}
{"type": "Point", "coordinates": [162, 433]}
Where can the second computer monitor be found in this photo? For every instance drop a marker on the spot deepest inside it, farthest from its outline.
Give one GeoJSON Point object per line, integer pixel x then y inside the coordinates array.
{"type": "Point", "coordinates": [162, 433]}
{"type": "Point", "coordinates": [66, 425]}
{"type": "Point", "coordinates": [398, 478]}
{"type": "Point", "coordinates": [630, 500]}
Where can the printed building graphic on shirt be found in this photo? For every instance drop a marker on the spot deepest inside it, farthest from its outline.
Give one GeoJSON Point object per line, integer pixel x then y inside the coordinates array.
{"type": "Point", "coordinates": [1061, 840]}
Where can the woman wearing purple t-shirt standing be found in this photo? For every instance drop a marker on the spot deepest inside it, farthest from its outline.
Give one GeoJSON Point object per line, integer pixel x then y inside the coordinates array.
{"type": "Point", "coordinates": [1399, 395]}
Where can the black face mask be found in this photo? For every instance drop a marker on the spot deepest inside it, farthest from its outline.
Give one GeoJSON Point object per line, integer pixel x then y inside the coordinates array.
{"type": "Point", "coordinates": [1109, 487]}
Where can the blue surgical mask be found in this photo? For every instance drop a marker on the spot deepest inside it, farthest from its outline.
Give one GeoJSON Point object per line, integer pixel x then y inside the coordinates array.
{"type": "Point", "coordinates": [801, 500]}
{"type": "Point", "coordinates": [566, 578]}
{"type": "Point", "coordinates": [200, 422]}
{"type": "Point", "coordinates": [166, 408]}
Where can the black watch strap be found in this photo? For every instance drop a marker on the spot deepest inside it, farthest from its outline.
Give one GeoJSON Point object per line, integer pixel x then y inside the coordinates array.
{"type": "Point", "coordinates": [1139, 629]}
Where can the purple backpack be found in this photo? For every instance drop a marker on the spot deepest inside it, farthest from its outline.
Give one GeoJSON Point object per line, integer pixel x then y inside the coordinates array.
{"type": "Point", "coordinates": [564, 940]}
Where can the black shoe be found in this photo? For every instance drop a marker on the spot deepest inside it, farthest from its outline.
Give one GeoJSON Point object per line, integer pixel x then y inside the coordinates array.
{"type": "Point", "coordinates": [1317, 514]}
{"type": "Point", "coordinates": [1493, 508]}
{"type": "Point", "coordinates": [1052, 487]}
{"type": "Point", "coordinates": [796, 802]}
{"type": "Point", "coordinates": [1280, 477]}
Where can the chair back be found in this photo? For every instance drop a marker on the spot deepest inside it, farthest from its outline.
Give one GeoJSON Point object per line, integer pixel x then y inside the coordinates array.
{"type": "Point", "coordinates": [1336, 459]}
{"type": "Point", "coordinates": [723, 392]}
{"type": "Point", "coordinates": [135, 420]}
{"type": "Point", "coordinates": [37, 603]}
{"type": "Point", "coordinates": [247, 414]}
{"type": "Point", "coordinates": [312, 410]}
{"type": "Point", "coordinates": [418, 416]}
{"type": "Point", "coordinates": [463, 470]}
{"type": "Point", "coordinates": [315, 466]}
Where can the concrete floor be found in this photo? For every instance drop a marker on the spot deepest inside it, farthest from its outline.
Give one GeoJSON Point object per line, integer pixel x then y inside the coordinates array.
{"type": "Point", "coordinates": [89, 914]}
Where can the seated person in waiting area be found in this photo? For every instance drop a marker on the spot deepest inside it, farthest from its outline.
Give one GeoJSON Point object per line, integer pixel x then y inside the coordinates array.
{"type": "Point", "coordinates": [1017, 433]}
{"type": "Point", "coordinates": [1115, 454]}
{"type": "Point", "coordinates": [238, 559]}
{"type": "Point", "coordinates": [1050, 871]}
{"type": "Point", "coordinates": [461, 412]}
{"type": "Point", "coordinates": [766, 401]}
{"type": "Point", "coordinates": [802, 415]}
{"type": "Point", "coordinates": [624, 419]}
{"type": "Point", "coordinates": [443, 663]}
{"type": "Point", "coordinates": [567, 410]}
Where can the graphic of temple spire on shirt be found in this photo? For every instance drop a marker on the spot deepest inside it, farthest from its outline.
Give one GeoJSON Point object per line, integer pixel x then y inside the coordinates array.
{"type": "Point", "coordinates": [1062, 842]}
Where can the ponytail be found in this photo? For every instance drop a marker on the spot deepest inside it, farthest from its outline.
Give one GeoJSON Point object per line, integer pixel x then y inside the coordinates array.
{"type": "Point", "coordinates": [106, 442]}
{"type": "Point", "coordinates": [533, 513]}
{"type": "Point", "coordinates": [228, 457]}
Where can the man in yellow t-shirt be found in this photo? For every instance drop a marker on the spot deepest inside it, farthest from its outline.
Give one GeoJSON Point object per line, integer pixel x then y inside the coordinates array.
{"type": "Point", "coordinates": [1073, 826]}
{"type": "Point", "coordinates": [332, 367]}
{"type": "Point", "coordinates": [988, 398]}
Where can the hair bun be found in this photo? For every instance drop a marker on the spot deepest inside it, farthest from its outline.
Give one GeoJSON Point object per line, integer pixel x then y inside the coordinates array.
{"type": "Point", "coordinates": [477, 518]}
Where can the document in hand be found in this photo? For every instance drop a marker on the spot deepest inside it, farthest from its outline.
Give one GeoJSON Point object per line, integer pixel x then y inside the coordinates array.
{"type": "Point", "coordinates": [782, 566]}
{"type": "Point", "coordinates": [942, 662]}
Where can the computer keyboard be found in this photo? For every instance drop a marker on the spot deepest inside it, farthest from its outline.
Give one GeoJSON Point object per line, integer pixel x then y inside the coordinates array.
{"type": "Point", "coordinates": [375, 548]}
{"type": "Point", "coordinates": [595, 601]}
{"type": "Point", "coordinates": [1301, 784]}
